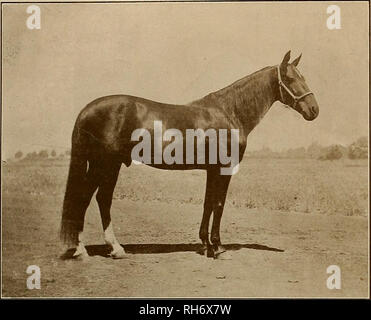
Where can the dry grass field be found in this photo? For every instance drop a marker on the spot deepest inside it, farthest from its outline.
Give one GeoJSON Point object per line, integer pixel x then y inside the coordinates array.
{"type": "Point", "coordinates": [285, 222]}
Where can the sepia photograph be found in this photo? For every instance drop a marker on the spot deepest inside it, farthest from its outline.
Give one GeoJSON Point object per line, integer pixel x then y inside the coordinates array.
{"type": "Point", "coordinates": [185, 150]}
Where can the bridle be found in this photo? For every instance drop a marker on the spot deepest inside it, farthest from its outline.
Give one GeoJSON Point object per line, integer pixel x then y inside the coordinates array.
{"type": "Point", "coordinates": [282, 85]}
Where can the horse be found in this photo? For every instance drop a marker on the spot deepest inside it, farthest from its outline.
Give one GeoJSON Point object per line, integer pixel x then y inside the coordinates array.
{"type": "Point", "coordinates": [101, 142]}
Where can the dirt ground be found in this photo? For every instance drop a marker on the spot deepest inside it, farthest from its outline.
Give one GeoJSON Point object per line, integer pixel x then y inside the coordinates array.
{"type": "Point", "coordinates": [273, 253]}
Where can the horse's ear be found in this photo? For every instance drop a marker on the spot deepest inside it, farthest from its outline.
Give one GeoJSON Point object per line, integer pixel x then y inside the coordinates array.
{"type": "Point", "coordinates": [285, 62]}
{"type": "Point", "coordinates": [296, 61]}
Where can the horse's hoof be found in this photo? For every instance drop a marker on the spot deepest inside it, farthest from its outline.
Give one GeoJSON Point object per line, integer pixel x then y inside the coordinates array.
{"type": "Point", "coordinates": [222, 254]}
{"type": "Point", "coordinates": [118, 253]}
{"type": "Point", "coordinates": [80, 255]}
{"type": "Point", "coordinates": [202, 251]}
{"type": "Point", "coordinates": [210, 252]}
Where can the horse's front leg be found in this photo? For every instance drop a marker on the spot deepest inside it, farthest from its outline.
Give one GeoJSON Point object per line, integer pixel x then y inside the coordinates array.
{"type": "Point", "coordinates": [204, 229]}
{"type": "Point", "coordinates": [218, 207]}
{"type": "Point", "coordinates": [208, 209]}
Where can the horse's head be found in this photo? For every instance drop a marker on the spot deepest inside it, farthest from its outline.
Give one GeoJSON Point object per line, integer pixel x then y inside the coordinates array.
{"type": "Point", "coordinates": [294, 92]}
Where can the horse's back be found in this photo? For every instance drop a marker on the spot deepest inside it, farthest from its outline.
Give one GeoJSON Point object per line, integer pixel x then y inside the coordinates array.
{"type": "Point", "coordinates": [109, 122]}
{"type": "Point", "coordinates": [112, 111]}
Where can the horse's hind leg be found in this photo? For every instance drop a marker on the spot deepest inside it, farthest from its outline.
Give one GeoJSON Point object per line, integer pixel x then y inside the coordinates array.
{"type": "Point", "coordinates": [89, 185]}
{"type": "Point", "coordinates": [109, 175]}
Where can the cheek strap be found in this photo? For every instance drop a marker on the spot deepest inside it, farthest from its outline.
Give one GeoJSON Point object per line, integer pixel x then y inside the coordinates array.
{"type": "Point", "coordinates": [287, 89]}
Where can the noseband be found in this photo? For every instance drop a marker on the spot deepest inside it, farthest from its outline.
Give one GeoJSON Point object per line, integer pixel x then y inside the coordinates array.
{"type": "Point", "coordinates": [282, 85]}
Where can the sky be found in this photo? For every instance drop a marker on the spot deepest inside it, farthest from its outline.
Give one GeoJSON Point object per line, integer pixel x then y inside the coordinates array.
{"type": "Point", "coordinates": [177, 53]}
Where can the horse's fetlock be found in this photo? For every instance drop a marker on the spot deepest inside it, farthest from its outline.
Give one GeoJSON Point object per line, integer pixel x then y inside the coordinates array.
{"type": "Point", "coordinates": [215, 240]}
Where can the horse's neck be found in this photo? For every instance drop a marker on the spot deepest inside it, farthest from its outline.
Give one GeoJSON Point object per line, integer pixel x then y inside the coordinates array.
{"type": "Point", "coordinates": [248, 100]}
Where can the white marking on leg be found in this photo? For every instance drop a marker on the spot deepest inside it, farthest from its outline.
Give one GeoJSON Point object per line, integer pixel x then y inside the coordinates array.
{"type": "Point", "coordinates": [109, 237]}
{"type": "Point", "coordinates": [80, 249]}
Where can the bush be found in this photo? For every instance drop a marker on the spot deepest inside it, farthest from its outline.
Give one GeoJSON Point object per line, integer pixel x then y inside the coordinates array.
{"type": "Point", "coordinates": [18, 155]}
{"type": "Point", "coordinates": [359, 149]}
{"type": "Point", "coordinates": [334, 152]}
{"type": "Point", "coordinates": [43, 154]}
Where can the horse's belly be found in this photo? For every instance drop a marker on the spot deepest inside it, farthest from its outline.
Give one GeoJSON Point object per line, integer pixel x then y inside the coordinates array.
{"type": "Point", "coordinates": [176, 166]}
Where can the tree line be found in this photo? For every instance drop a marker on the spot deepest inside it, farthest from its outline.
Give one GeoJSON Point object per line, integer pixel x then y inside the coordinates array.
{"type": "Point", "coordinates": [356, 150]}
{"type": "Point", "coordinates": [40, 155]}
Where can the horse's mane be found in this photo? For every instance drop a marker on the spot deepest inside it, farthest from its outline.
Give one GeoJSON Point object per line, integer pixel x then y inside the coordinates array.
{"type": "Point", "coordinates": [234, 85]}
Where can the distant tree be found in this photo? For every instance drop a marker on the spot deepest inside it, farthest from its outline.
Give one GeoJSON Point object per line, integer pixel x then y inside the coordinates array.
{"type": "Point", "coordinates": [333, 152]}
{"type": "Point", "coordinates": [43, 154]}
{"type": "Point", "coordinates": [31, 156]}
{"type": "Point", "coordinates": [53, 153]}
{"type": "Point", "coordinates": [18, 155]}
{"type": "Point", "coordinates": [359, 149]}
{"type": "Point", "coordinates": [68, 152]}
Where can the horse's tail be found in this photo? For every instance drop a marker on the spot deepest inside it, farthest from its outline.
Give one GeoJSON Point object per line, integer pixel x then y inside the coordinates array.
{"type": "Point", "coordinates": [72, 214]}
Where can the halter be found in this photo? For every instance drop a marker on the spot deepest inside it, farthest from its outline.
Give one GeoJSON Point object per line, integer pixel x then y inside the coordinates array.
{"type": "Point", "coordinates": [282, 85]}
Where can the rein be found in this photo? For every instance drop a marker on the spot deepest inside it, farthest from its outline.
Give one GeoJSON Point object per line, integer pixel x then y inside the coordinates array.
{"type": "Point", "coordinates": [282, 85]}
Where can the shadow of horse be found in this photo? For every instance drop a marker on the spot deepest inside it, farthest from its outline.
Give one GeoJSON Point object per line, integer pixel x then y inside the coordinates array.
{"type": "Point", "coordinates": [155, 248]}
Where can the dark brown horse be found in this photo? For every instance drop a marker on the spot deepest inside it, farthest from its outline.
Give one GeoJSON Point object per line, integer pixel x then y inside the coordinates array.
{"type": "Point", "coordinates": [102, 141]}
